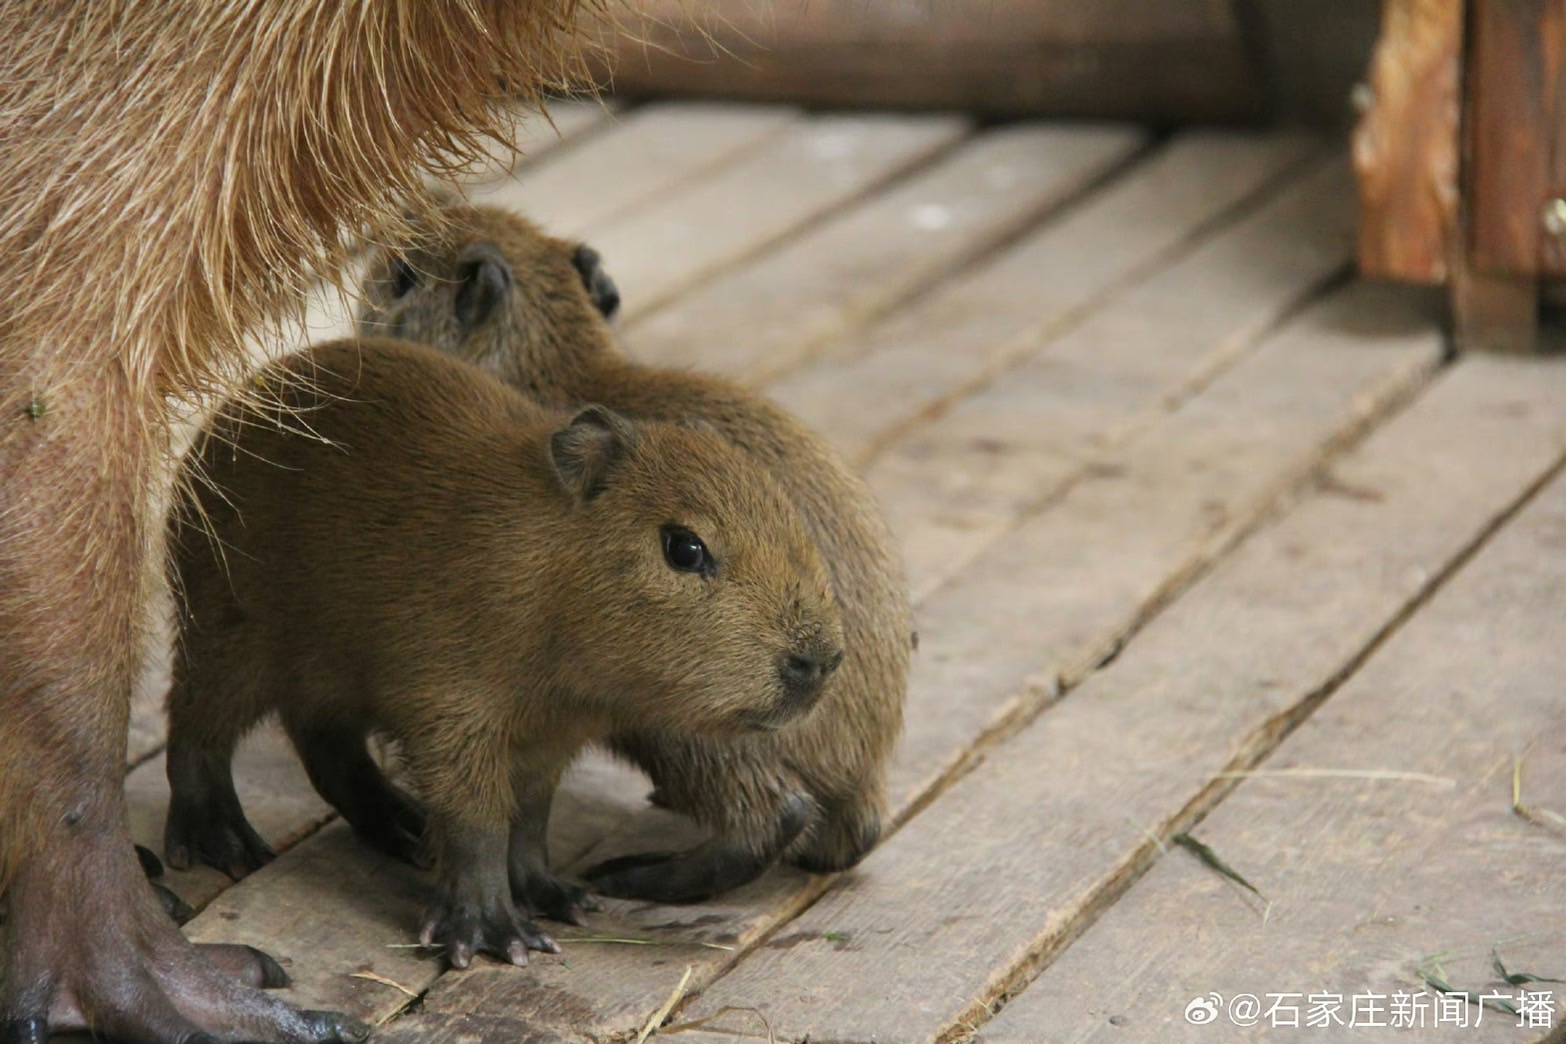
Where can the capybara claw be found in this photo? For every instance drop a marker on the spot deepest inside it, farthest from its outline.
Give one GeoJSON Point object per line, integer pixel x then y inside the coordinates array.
{"type": "Point", "coordinates": [273, 977]}
{"type": "Point", "coordinates": [333, 1027]}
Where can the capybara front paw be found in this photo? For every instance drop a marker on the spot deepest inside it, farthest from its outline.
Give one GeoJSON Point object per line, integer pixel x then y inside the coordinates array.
{"type": "Point", "coordinates": [466, 928]}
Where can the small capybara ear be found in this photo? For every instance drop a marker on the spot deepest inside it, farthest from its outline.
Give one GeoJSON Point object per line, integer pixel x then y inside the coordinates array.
{"type": "Point", "coordinates": [590, 266]}
{"type": "Point", "coordinates": [588, 450]}
{"type": "Point", "coordinates": [484, 281]}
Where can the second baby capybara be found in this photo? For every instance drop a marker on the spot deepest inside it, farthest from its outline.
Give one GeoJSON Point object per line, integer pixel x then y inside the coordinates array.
{"type": "Point", "coordinates": [398, 543]}
{"type": "Point", "coordinates": [489, 286]}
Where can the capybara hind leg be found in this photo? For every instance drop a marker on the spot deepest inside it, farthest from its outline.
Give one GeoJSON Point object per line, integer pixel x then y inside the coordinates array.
{"type": "Point", "coordinates": [84, 934]}
{"type": "Point", "coordinates": [707, 870]}
{"type": "Point", "coordinates": [342, 771]}
{"type": "Point", "coordinates": [532, 882]}
{"type": "Point", "coordinates": [206, 822]}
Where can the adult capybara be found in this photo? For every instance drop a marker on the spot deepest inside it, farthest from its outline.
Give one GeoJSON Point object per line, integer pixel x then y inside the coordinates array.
{"type": "Point", "coordinates": [402, 544]}
{"type": "Point", "coordinates": [489, 286]}
{"type": "Point", "coordinates": [172, 172]}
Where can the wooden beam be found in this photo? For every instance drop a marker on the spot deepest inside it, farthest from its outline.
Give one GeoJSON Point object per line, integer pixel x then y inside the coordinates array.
{"type": "Point", "coordinates": [1406, 143]}
{"type": "Point", "coordinates": [1128, 59]}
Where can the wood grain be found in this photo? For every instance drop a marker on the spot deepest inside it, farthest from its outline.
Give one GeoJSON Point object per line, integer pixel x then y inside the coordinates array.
{"type": "Point", "coordinates": [800, 176]}
{"type": "Point", "coordinates": [991, 317]}
{"type": "Point", "coordinates": [1510, 127]}
{"type": "Point", "coordinates": [1406, 144]}
{"type": "Point", "coordinates": [667, 146]}
{"type": "Point", "coordinates": [1015, 859]}
{"type": "Point", "coordinates": [1368, 877]}
{"type": "Point", "coordinates": [959, 483]}
{"type": "Point", "coordinates": [768, 317]}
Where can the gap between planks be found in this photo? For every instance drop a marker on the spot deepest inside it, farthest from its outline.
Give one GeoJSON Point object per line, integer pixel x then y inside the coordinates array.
{"type": "Point", "coordinates": [1363, 872]}
{"type": "Point", "coordinates": [1097, 558]}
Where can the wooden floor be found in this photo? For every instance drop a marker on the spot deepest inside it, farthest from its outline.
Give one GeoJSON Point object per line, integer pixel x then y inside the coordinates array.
{"type": "Point", "coordinates": [1207, 538]}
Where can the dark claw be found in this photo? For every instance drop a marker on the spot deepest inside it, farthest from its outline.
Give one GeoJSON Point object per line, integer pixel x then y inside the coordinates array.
{"type": "Point", "coordinates": [273, 977]}
{"type": "Point", "coordinates": [177, 909]}
{"type": "Point", "coordinates": [332, 1025]}
{"type": "Point", "coordinates": [24, 1031]}
{"type": "Point", "coordinates": [467, 928]}
{"type": "Point", "coordinates": [151, 865]}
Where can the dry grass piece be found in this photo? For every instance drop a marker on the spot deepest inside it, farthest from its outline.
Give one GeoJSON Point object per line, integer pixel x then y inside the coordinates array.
{"type": "Point", "coordinates": [668, 1006]}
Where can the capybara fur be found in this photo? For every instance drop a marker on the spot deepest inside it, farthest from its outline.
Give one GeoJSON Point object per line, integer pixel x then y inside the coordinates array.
{"type": "Point", "coordinates": [173, 174]}
{"type": "Point", "coordinates": [489, 286]}
{"type": "Point", "coordinates": [404, 545]}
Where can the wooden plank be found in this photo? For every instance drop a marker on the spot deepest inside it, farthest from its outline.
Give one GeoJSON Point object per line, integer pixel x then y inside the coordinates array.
{"type": "Point", "coordinates": [278, 801]}
{"type": "Point", "coordinates": [798, 177]}
{"type": "Point", "coordinates": [665, 145]}
{"type": "Point", "coordinates": [465, 1029]}
{"type": "Point", "coordinates": [954, 341]}
{"type": "Point", "coordinates": [957, 484]}
{"type": "Point", "coordinates": [1006, 56]}
{"type": "Point", "coordinates": [330, 911]}
{"type": "Point", "coordinates": [1406, 142]}
{"type": "Point", "coordinates": [769, 316]}
{"type": "Point", "coordinates": [1367, 878]}
{"type": "Point", "coordinates": [982, 643]}
{"type": "Point", "coordinates": [1057, 821]}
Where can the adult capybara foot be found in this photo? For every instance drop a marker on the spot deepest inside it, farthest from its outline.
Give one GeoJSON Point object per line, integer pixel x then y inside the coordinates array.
{"type": "Point", "coordinates": [89, 948]}
{"type": "Point", "coordinates": [464, 928]}
{"type": "Point", "coordinates": [173, 905]}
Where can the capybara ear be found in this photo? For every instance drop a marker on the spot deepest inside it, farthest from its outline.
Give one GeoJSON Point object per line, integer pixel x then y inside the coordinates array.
{"type": "Point", "coordinates": [587, 451]}
{"type": "Point", "coordinates": [590, 266]}
{"type": "Point", "coordinates": [485, 280]}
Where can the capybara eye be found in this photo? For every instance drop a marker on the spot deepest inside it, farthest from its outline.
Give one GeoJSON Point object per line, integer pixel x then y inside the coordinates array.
{"type": "Point", "coordinates": [403, 277]}
{"type": "Point", "coordinates": [684, 551]}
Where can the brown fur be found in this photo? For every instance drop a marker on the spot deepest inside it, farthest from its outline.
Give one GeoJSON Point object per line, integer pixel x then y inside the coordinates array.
{"type": "Point", "coordinates": [546, 338]}
{"type": "Point", "coordinates": [407, 546]}
{"type": "Point", "coordinates": [169, 174]}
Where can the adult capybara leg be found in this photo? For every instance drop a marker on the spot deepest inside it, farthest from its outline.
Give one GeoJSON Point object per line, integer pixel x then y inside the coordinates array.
{"type": "Point", "coordinates": [85, 942]}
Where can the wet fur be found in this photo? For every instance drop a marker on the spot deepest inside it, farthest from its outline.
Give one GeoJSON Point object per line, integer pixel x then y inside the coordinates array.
{"type": "Point", "coordinates": [816, 790]}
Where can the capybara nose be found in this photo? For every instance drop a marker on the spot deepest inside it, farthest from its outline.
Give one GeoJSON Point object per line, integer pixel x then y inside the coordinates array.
{"type": "Point", "coordinates": [804, 673]}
